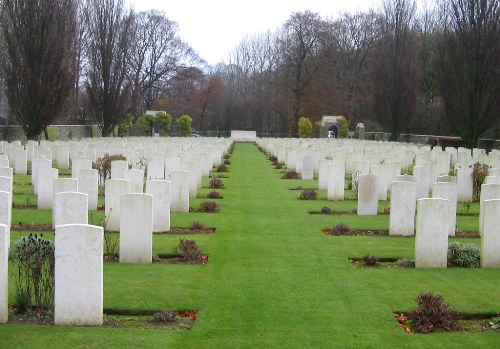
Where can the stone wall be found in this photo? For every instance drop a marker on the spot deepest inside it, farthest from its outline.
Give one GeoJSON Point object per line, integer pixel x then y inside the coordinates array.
{"type": "Point", "coordinates": [55, 132]}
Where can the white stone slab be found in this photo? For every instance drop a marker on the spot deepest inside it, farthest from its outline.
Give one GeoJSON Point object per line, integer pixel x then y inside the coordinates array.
{"type": "Point", "coordinates": [21, 162]}
{"type": "Point", "coordinates": [156, 170]}
{"type": "Point", "coordinates": [46, 177]}
{"type": "Point", "coordinates": [490, 239]}
{"type": "Point", "coordinates": [118, 169]}
{"type": "Point", "coordinates": [136, 228]}
{"type": "Point", "coordinates": [70, 208]}
{"type": "Point", "coordinates": [136, 178]}
{"type": "Point", "coordinates": [336, 181]}
{"type": "Point", "coordinates": [4, 273]}
{"type": "Point", "coordinates": [488, 192]}
{"type": "Point", "coordinates": [179, 201]}
{"type": "Point", "coordinates": [78, 296]}
{"type": "Point", "coordinates": [88, 183]}
{"type": "Point", "coordinates": [307, 166]}
{"type": "Point", "coordinates": [403, 205]}
{"type": "Point", "coordinates": [367, 195]}
{"type": "Point", "coordinates": [383, 180]}
{"type": "Point", "coordinates": [431, 238]}
{"type": "Point", "coordinates": [114, 189]}
{"type": "Point", "coordinates": [448, 191]}
{"type": "Point", "coordinates": [464, 182]}
{"type": "Point", "coordinates": [160, 190]}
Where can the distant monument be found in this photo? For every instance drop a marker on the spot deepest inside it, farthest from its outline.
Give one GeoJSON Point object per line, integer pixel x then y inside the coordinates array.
{"type": "Point", "coordinates": [329, 126]}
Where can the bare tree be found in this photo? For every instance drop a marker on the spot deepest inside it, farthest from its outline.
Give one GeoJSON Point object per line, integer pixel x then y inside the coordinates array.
{"type": "Point", "coordinates": [353, 38]}
{"type": "Point", "coordinates": [39, 68]}
{"type": "Point", "coordinates": [395, 67]}
{"type": "Point", "coordinates": [157, 54]}
{"type": "Point", "coordinates": [302, 47]}
{"type": "Point", "coordinates": [107, 54]}
{"type": "Point", "coordinates": [468, 65]}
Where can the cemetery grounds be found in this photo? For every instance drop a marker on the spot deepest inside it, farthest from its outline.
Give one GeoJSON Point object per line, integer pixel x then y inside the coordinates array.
{"type": "Point", "coordinates": [273, 279]}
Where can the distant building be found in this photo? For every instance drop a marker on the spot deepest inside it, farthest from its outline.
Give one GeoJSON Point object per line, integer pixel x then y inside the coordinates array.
{"type": "Point", "coordinates": [329, 126]}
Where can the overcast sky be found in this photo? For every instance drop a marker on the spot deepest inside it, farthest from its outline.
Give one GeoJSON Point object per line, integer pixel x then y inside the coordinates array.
{"type": "Point", "coordinates": [214, 28]}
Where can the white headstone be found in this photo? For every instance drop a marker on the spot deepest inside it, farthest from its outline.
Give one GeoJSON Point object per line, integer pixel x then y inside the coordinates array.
{"type": "Point", "coordinates": [78, 296]}
{"type": "Point", "coordinates": [336, 181]}
{"type": "Point", "coordinates": [422, 179]}
{"type": "Point", "coordinates": [431, 238]}
{"type": "Point", "coordinates": [136, 228]}
{"type": "Point", "coordinates": [21, 162]}
{"type": "Point", "coordinates": [488, 192]}
{"type": "Point", "coordinates": [6, 210]}
{"type": "Point", "coordinates": [307, 166]}
{"type": "Point", "coordinates": [160, 190]}
{"type": "Point", "coordinates": [79, 164]}
{"type": "Point", "coordinates": [118, 169]}
{"type": "Point", "coordinates": [383, 180]}
{"type": "Point", "coordinates": [403, 205]}
{"type": "Point", "coordinates": [448, 191]}
{"type": "Point", "coordinates": [156, 170]}
{"type": "Point", "coordinates": [113, 191]}
{"type": "Point", "coordinates": [136, 178]}
{"type": "Point", "coordinates": [88, 180]}
{"type": "Point", "coordinates": [490, 239]}
{"type": "Point", "coordinates": [367, 195]}
{"type": "Point", "coordinates": [464, 182]}
{"type": "Point", "coordinates": [4, 273]}
{"type": "Point", "coordinates": [62, 157]}
{"type": "Point", "coordinates": [36, 165]}
{"type": "Point", "coordinates": [171, 164]}
{"type": "Point", "coordinates": [46, 177]}
{"type": "Point", "coordinates": [70, 208]}
{"type": "Point", "coordinates": [179, 201]}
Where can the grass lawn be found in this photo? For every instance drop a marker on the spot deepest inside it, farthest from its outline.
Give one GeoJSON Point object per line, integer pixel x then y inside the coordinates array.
{"type": "Point", "coordinates": [273, 279]}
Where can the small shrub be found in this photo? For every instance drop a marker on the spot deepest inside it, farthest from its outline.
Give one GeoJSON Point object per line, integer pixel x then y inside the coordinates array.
{"type": "Point", "coordinates": [222, 168]}
{"type": "Point", "coordinates": [305, 127]}
{"type": "Point", "coordinates": [189, 250]}
{"type": "Point", "coordinates": [209, 206]}
{"type": "Point", "coordinates": [495, 323]}
{"type": "Point", "coordinates": [277, 165]}
{"type": "Point", "coordinates": [479, 173]}
{"type": "Point", "coordinates": [371, 261]}
{"type": "Point", "coordinates": [463, 255]}
{"type": "Point", "coordinates": [227, 156]}
{"type": "Point", "coordinates": [184, 123]}
{"type": "Point", "coordinates": [197, 226]}
{"type": "Point", "coordinates": [227, 162]}
{"type": "Point", "coordinates": [216, 183]}
{"type": "Point", "coordinates": [103, 166]}
{"type": "Point", "coordinates": [272, 158]}
{"type": "Point", "coordinates": [326, 210]}
{"type": "Point", "coordinates": [34, 278]}
{"type": "Point", "coordinates": [292, 174]}
{"type": "Point", "coordinates": [308, 194]}
{"type": "Point", "coordinates": [165, 316]}
{"type": "Point", "coordinates": [340, 229]}
{"type": "Point", "coordinates": [214, 195]}
{"type": "Point", "coordinates": [433, 314]}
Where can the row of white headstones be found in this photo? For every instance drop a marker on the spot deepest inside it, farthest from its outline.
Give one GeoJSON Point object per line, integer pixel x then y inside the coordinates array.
{"type": "Point", "coordinates": [170, 169]}
{"type": "Point", "coordinates": [423, 205]}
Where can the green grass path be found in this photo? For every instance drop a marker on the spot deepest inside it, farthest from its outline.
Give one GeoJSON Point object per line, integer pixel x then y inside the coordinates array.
{"type": "Point", "coordinates": [274, 281]}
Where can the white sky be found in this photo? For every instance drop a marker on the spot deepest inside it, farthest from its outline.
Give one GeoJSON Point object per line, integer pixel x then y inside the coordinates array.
{"type": "Point", "coordinates": [214, 28]}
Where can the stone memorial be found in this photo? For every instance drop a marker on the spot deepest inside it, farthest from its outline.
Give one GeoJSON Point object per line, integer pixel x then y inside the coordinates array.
{"type": "Point", "coordinates": [118, 169]}
{"type": "Point", "coordinates": [431, 238]}
{"type": "Point", "coordinates": [490, 239]}
{"type": "Point", "coordinates": [336, 181]}
{"type": "Point", "coordinates": [46, 177]}
{"type": "Point", "coordinates": [160, 190]}
{"type": "Point", "coordinates": [448, 191]}
{"type": "Point", "coordinates": [488, 192]}
{"type": "Point", "coordinates": [403, 205]}
{"type": "Point", "coordinates": [136, 228]}
{"type": "Point", "coordinates": [88, 183]}
{"type": "Point", "coordinates": [78, 296]}
{"type": "Point", "coordinates": [136, 178]}
{"type": "Point", "coordinates": [367, 195]}
{"type": "Point", "coordinates": [307, 166]}
{"type": "Point", "coordinates": [4, 273]}
{"type": "Point", "coordinates": [179, 201]}
{"type": "Point", "coordinates": [113, 191]}
{"type": "Point", "coordinates": [70, 208]}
